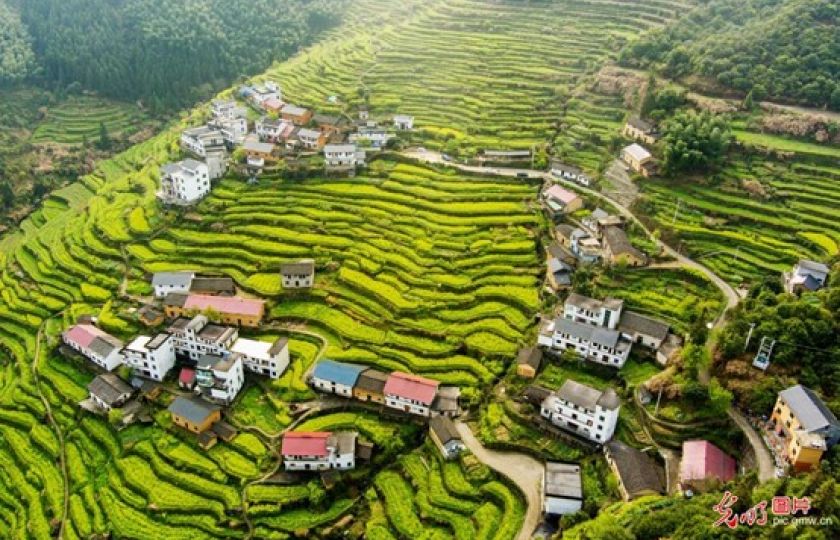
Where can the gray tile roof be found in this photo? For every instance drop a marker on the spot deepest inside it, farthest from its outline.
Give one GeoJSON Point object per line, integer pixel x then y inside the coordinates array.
{"type": "Point", "coordinates": [813, 266]}
{"type": "Point", "coordinates": [214, 285]}
{"type": "Point", "coordinates": [371, 380]}
{"type": "Point", "coordinates": [640, 124]}
{"type": "Point", "coordinates": [588, 332]}
{"type": "Point", "coordinates": [636, 323]}
{"type": "Point", "coordinates": [531, 356]}
{"type": "Point", "coordinates": [444, 429]}
{"type": "Point", "coordinates": [808, 408]}
{"type": "Point", "coordinates": [588, 397]}
{"type": "Point", "coordinates": [618, 242]}
{"type": "Point", "coordinates": [591, 304]}
{"type": "Point", "coordinates": [344, 441]}
{"type": "Point", "coordinates": [175, 299]}
{"type": "Point", "coordinates": [563, 480]}
{"type": "Point", "coordinates": [638, 471]}
{"type": "Point", "coordinates": [193, 410]}
{"type": "Point", "coordinates": [109, 388]}
{"type": "Point", "coordinates": [172, 279]}
{"type": "Point", "coordinates": [302, 267]}
{"type": "Point", "coordinates": [103, 346]}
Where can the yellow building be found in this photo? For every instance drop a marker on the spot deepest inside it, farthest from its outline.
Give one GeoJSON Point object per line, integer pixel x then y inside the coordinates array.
{"type": "Point", "coordinates": [194, 414]}
{"type": "Point", "coordinates": [639, 130]}
{"type": "Point", "coordinates": [806, 423]}
{"type": "Point", "coordinates": [639, 159]}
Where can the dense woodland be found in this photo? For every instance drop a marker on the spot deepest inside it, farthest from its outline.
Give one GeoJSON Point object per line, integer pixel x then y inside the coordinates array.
{"type": "Point", "coordinates": [787, 50]}
{"type": "Point", "coordinates": [115, 48]}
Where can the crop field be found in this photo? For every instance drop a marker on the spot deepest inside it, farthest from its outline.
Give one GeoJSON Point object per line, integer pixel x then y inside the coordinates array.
{"type": "Point", "coordinates": [78, 119]}
{"type": "Point", "coordinates": [743, 237]}
{"type": "Point", "coordinates": [479, 75]}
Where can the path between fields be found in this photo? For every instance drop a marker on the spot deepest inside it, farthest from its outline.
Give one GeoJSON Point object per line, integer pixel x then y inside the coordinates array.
{"type": "Point", "coordinates": [523, 470]}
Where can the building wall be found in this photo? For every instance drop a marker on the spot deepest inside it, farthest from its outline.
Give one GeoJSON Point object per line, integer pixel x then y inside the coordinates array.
{"type": "Point", "coordinates": [114, 359]}
{"type": "Point", "coordinates": [526, 371]}
{"type": "Point", "coordinates": [577, 421]}
{"type": "Point", "coordinates": [396, 402]}
{"type": "Point", "coordinates": [590, 351]}
{"type": "Point", "coordinates": [162, 290]}
{"type": "Point", "coordinates": [366, 395]}
{"type": "Point", "coordinates": [332, 387]}
{"type": "Point", "coordinates": [297, 281]}
{"type": "Point", "coordinates": [235, 319]}
{"type": "Point", "coordinates": [215, 416]}
{"type": "Point", "coordinates": [561, 506]}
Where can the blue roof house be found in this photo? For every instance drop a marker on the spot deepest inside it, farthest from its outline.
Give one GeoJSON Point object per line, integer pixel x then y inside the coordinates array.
{"type": "Point", "coordinates": [336, 377]}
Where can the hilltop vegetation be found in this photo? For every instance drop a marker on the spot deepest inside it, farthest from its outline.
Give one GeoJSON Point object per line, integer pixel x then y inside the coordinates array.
{"type": "Point", "coordinates": [115, 48]}
{"type": "Point", "coordinates": [17, 59]}
{"type": "Point", "coordinates": [777, 49]}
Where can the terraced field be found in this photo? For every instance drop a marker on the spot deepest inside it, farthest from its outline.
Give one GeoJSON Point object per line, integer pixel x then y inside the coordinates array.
{"type": "Point", "coordinates": [519, 87]}
{"type": "Point", "coordinates": [78, 119]}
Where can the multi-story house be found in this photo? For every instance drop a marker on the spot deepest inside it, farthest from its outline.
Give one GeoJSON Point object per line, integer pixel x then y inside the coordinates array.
{"type": "Point", "coordinates": [197, 336]}
{"type": "Point", "coordinates": [273, 130]}
{"type": "Point", "coordinates": [298, 275]}
{"type": "Point", "coordinates": [808, 426]}
{"type": "Point", "coordinates": [219, 378]}
{"type": "Point", "coordinates": [583, 410]}
{"type": "Point", "coordinates": [639, 130]}
{"type": "Point", "coordinates": [164, 283]}
{"type": "Point", "coordinates": [98, 346]}
{"type": "Point", "coordinates": [227, 109]}
{"type": "Point", "coordinates": [318, 451]}
{"type": "Point", "coordinates": [606, 313]}
{"type": "Point", "coordinates": [233, 130]}
{"type": "Point", "coordinates": [184, 182]}
{"type": "Point", "coordinates": [561, 201]}
{"type": "Point", "coordinates": [230, 309]}
{"type": "Point", "coordinates": [151, 358]}
{"type": "Point", "coordinates": [343, 157]}
{"type": "Point", "coordinates": [403, 122]}
{"type": "Point", "coordinates": [805, 276]}
{"type": "Point", "coordinates": [269, 359]}
{"type": "Point", "coordinates": [201, 140]}
{"type": "Point", "coordinates": [311, 139]}
{"type": "Point", "coordinates": [639, 160]}
{"type": "Point", "coordinates": [410, 393]}
{"type": "Point", "coordinates": [299, 116]}
{"type": "Point", "coordinates": [374, 136]}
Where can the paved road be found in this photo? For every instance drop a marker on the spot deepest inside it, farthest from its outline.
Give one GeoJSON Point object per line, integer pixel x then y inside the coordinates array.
{"type": "Point", "coordinates": [766, 465]}
{"type": "Point", "coordinates": [525, 471]}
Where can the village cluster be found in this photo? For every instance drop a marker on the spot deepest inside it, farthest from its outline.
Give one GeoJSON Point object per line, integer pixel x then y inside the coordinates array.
{"type": "Point", "coordinates": [283, 130]}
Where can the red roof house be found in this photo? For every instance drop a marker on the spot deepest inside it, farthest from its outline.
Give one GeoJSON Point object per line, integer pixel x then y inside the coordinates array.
{"type": "Point", "coordinates": [702, 461]}
{"type": "Point", "coordinates": [303, 443]}
{"type": "Point", "coordinates": [186, 379]}
{"type": "Point", "coordinates": [411, 387]}
{"type": "Point", "coordinates": [83, 335]}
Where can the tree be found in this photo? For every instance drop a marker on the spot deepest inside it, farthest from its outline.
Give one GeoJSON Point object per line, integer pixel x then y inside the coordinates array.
{"type": "Point", "coordinates": [748, 104]}
{"type": "Point", "coordinates": [104, 142]}
{"type": "Point", "coordinates": [694, 141]}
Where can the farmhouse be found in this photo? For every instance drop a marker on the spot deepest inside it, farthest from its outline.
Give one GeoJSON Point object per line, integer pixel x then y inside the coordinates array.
{"type": "Point", "coordinates": [806, 424]}
{"type": "Point", "coordinates": [342, 157]}
{"type": "Point", "coordinates": [196, 336]}
{"type": "Point", "coordinates": [589, 310]}
{"type": "Point", "coordinates": [594, 343]}
{"type": "Point", "coordinates": [373, 136]}
{"type": "Point", "coordinates": [446, 402]}
{"type": "Point", "coordinates": [318, 451]}
{"type": "Point", "coordinates": [194, 414]}
{"type": "Point", "coordinates": [329, 125]}
{"type": "Point", "coordinates": [98, 346]}
{"type": "Point", "coordinates": [639, 130]}
{"type": "Point", "coordinates": [643, 330]}
{"type": "Point", "coordinates": [583, 410]}
{"type": "Point", "coordinates": [164, 283]}
{"type": "Point", "coordinates": [107, 391]}
{"type": "Point", "coordinates": [233, 130]}
{"type": "Point", "coordinates": [298, 275]}
{"type": "Point", "coordinates": [619, 250]}
{"type": "Point", "coordinates": [584, 247]}
{"type": "Point", "coordinates": [269, 359]}
{"type": "Point", "coordinates": [223, 109]}
{"type": "Point", "coordinates": [202, 140]}
{"type": "Point", "coordinates": [261, 93]}
{"type": "Point", "coordinates": [410, 393]}
{"type": "Point", "coordinates": [403, 122]}
{"type": "Point", "coordinates": [311, 139]}
{"type": "Point", "coordinates": [219, 378]}
{"type": "Point", "coordinates": [273, 130]}
{"type": "Point", "coordinates": [805, 276]}
{"type": "Point", "coordinates": [216, 286]}
{"type": "Point", "coordinates": [370, 386]}
{"type": "Point", "coordinates": [561, 201]}
{"type": "Point", "coordinates": [638, 474]}
{"type": "Point", "coordinates": [558, 273]}
{"type": "Point", "coordinates": [184, 182]}
{"type": "Point", "coordinates": [150, 315]}
{"type": "Point", "coordinates": [598, 221]}
{"type": "Point", "coordinates": [562, 488]}
{"type": "Point", "coordinates": [186, 378]}
{"type": "Point", "coordinates": [151, 358]}
{"type": "Point", "coordinates": [639, 160]}
{"type": "Point", "coordinates": [231, 310]}
{"type": "Point", "coordinates": [443, 433]}
{"type": "Point", "coordinates": [528, 362]}
{"type": "Point", "coordinates": [299, 116]}
{"type": "Point", "coordinates": [336, 377]}
{"type": "Point", "coordinates": [704, 465]}
{"type": "Point", "coordinates": [567, 172]}
{"type": "Point", "coordinates": [255, 150]}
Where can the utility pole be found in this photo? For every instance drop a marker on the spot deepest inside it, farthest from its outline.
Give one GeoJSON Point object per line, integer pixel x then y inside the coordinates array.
{"type": "Point", "coordinates": [749, 336]}
{"type": "Point", "coordinates": [658, 397]}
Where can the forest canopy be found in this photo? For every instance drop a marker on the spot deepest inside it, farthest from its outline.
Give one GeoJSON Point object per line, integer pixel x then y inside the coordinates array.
{"type": "Point", "coordinates": [115, 48]}
{"type": "Point", "coordinates": [17, 60]}
{"type": "Point", "coordinates": [787, 50]}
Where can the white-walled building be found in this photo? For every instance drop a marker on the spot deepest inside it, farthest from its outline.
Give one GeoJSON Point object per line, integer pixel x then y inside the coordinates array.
{"type": "Point", "coordinates": [583, 309]}
{"type": "Point", "coordinates": [107, 391]}
{"type": "Point", "coordinates": [583, 410]}
{"type": "Point", "coordinates": [227, 109]}
{"type": "Point", "coordinates": [562, 488]}
{"type": "Point", "coordinates": [340, 157]}
{"type": "Point", "coordinates": [335, 377]}
{"type": "Point", "coordinates": [197, 336]}
{"type": "Point", "coordinates": [202, 139]}
{"type": "Point", "coordinates": [233, 130]}
{"type": "Point", "coordinates": [410, 393]}
{"type": "Point", "coordinates": [446, 437]}
{"type": "Point", "coordinates": [594, 343]}
{"type": "Point", "coordinates": [168, 282]}
{"type": "Point", "coordinates": [403, 122]}
{"type": "Point", "coordinates": [319, 451]}
{"type": "Point", "coordinates": [311, 139]}
{"type": "Point", "coordinates": [805, 276]}
{"type": "Point", "coordinates": [273, 130]}
{"type": "Point", "coordinates": [98, 346]}
{"type": "Point", "coordinates": [377, 137]}
{"type": "Point", "coordinates": [298, 275]}
{"type": "Point", "coordinates": [151, 358]}
{"type": "Point", "coordinates": [184, 182]}
{"type": "Point", "coordinates": [269, 359]}
{"type": "Point", "coordinates": [219, 378]}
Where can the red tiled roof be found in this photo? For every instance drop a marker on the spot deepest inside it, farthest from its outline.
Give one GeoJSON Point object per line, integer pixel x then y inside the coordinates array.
{"type": "Point", "coordinates": [187, 376]}
{"type": "Point", "coordinates": [83, 334]}
{"type": "Point", "coordinates": [305, 443]}
{"type": "Point", "coordinates": [702, 459]}
{"type": "Point", "coordinates": [410, 386]}
{"type": "Point", "coordinates": [225, 304]}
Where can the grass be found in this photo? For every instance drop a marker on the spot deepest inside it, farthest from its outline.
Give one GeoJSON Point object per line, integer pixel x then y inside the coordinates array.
{"type": "Point", "coordinates": [78, 119]}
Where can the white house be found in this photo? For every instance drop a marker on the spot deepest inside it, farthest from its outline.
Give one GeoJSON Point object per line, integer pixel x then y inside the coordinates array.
{"type": "Point", "coordinates": [151, 358]}
{"type": "Point", "coordinates": [233, 130]}
{"type": "Point", "coordinates": [583, 309]}
{"type": "Point", "coordinates": [318, 451]}
{"type": "Point", "coordinates": [269, 359]}
{"type": "Point", "coordinates": [184, 182]}
{"type": "Point", "coordinates": [806, 276]}
{"type": "Point", "coordinates": [311, 139]}
{"type": "Point", "coordinates": [219, 378]}
{"type": "Point", "coordinates": [273, 130]}
{"type": "Point", "coordinates": [197, 336]}
{"type": "Point", "coordinates": [298, 275]}
{"type": "Point", "coordinates": [594, 343]}
{"type": "Point", "coordinates": [403, 122]}
{"type": "Point", "coordinates": [410, 393]}
{"type": "Point", "coordinates": [343, 156]}
{"type": "Point", "coordinates": [202, 139]}
{"type": "Point", "coordinates": [227, 109]}
{"type": "Point", "coordinates": [376, 137]}
{"type": "Point", "coordinates": [335, 377]}
{"type": "Point", "coordinates": [107, 391]}
{"type": "Point", "coordinates": [446, 437]}
{"type": "Point", "coordinates": [583, 410]}
{"type": "Point", "coordinates": [268, 90]}
{"type": "Point", "coordinates": [168, 282]}
{"type": "Point", "coordinates": [562, 488]}
{"type": "Point", "coordinates": [98, 346]}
